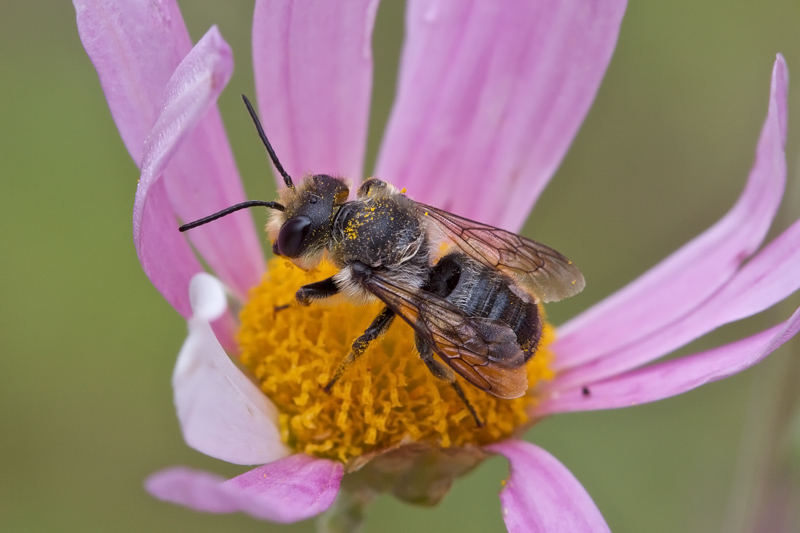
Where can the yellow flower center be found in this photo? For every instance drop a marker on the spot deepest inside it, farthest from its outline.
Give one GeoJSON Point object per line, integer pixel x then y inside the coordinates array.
{"type": "Point", "coordinates": [387, 397]}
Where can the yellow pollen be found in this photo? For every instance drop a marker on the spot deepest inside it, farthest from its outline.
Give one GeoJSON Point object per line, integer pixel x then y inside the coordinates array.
{"type": "Point", "coordinates": [386, 397]}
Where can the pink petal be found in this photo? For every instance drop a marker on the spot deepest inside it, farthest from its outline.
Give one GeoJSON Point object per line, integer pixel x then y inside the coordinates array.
{"type": "Point", "coordinates": [490, 96]}
{"type": "Point", "coordinates": [136, 47]}
{"type": "Point", "coordinates": [165, 256]}
{"type": "Point", "coordinates": [191, 488]}
{"type": "Point", "coordinates": [313, 73]}
{"type": "Point", "coordinates": [288, 490]}
{"type": "Point", "coordinates": [221, 412]}
{"type": "Point", "coordinates": [690, 275]}
{"type": "Point", "coordinates": [542, 495]}
{"type": "Point", "coordinates": [766, 279]}
{"type": "Point", "coordinates": [202, 179]}
{"type": "Point", "coordinates": [672, 377]}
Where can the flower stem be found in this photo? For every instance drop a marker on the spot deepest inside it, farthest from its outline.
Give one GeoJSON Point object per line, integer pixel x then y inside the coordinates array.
{"type": "Point", "coordinates": [346, 515]}
{"type": "Point", "coordinates": [766, 488]}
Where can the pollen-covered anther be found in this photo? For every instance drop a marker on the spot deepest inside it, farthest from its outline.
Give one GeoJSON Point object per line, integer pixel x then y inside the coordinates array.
{"type": "Point", "coordinates": [386, 397]}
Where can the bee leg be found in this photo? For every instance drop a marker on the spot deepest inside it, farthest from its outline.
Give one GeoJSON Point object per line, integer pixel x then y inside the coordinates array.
{"type": "Point", "coordinates": [375, 330]}
{"type": "Point", "coordinates": [316, 291]}
{"type": "Point", "coordinates": [440, 371]}
{"type": "Point", "coordinates": [277, 308]}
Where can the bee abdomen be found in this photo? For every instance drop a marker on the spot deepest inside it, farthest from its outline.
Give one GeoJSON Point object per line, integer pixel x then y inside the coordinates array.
{"type": "Point", "coordinates": [482, 292]}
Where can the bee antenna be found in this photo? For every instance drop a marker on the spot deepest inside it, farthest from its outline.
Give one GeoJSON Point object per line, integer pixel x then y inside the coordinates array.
{"type": "Point", "coordinates": [286, 178]}
{"type": "Point", "coordinates": [229, 210]}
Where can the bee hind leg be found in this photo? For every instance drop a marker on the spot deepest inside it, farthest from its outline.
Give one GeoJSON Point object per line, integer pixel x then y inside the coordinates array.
{"type": "Point", "coordinates": [375, 330]}
{"type": "Point", "coordinates": [440, 371]}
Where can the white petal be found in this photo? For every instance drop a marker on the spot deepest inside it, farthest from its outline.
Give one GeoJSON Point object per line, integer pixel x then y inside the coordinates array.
{"type": "Point", "coordinates": [222, 413]}
{"type": "Point", "coordinates": [207, 296]}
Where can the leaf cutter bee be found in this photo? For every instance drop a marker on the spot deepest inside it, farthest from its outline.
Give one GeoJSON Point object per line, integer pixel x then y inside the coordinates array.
{"type": "Point", "coordinates": [476, 307]}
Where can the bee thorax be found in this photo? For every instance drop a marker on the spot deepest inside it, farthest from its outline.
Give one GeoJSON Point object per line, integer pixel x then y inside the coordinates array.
{"type": "Point", "coordinates": [378, 232]}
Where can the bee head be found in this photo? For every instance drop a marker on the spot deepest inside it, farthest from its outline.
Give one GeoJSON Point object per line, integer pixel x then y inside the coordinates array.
{"type": "Point", "coordinates": [300, 225]}
{"type": "Point", "coordinates": [302, 230]}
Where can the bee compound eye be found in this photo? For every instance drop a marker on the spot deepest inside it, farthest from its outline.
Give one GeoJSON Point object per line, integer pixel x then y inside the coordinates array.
{"type": "Point", "coordinates": [292, 234]}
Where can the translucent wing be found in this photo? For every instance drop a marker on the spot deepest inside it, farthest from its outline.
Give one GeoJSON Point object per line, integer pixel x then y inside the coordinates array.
{"type": "Point", "coordinates": [483, 351]}
{"type": "Point", "coordinates": [540, 270]}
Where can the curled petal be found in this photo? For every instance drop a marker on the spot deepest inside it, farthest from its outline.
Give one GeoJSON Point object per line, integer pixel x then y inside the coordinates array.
{"type": "Point", "coordinates": [288, 490]}
{"type": "Point", "coordinates": [690, 275]}
{"type": "Point", "coordinates": [313, 73]}
{"type": "Point", "coordinates": [221, 412]}
{"type": "Point", "coordinates": [490, 96]}
{"type": "Point", "coordinates": [165, 256]}
{"type": "Point", "coordinates": [202, 179]}
{"type": "Point", "coordinates": [542, 495]}
{"type": "Point", "coordinates": [136, 47]}
{"type": "Point", "coordinates": [673, 377]}
{"type": "Point", "coordinates": [765, 280]}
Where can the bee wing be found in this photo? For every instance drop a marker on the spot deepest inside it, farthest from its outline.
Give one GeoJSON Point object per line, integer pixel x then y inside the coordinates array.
{"type": "Point", "coordinates": [483, 351]}
{"type": "Point", "coordinates": [540, 270]}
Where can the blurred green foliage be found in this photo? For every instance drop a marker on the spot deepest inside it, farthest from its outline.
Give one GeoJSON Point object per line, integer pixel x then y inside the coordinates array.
{"type": "Point", "coordinates": [88, 344]}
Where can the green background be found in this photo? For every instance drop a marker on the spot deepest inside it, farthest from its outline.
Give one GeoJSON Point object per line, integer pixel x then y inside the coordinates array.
{"type": "Point", "coordinates": [87, 344]}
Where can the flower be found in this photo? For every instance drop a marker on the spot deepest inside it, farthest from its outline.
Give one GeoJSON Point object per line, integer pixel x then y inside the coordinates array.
{"type": "Point", "coordinates": [483, 92]}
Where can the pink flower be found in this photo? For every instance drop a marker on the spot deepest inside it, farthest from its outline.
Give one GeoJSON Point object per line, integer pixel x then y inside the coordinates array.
{"type": "Point", "coordinates": [483, 92]}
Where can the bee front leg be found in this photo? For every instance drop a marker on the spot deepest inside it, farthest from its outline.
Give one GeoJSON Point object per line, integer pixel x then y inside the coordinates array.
{"type": "Point", "coordinates": [445, 373]}
{"type": "Point", "coordinates": [316, 291]}
{"type": "Point", "coordinates": [375, 330]}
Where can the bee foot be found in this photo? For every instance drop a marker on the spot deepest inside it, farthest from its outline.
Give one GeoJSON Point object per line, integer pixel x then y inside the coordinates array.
{"type": "Point", "coordinates": [277, 308]}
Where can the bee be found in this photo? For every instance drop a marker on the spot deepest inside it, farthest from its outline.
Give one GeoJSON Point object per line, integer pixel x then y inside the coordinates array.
{"type": "Point", "coordinates": [475, 307]}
